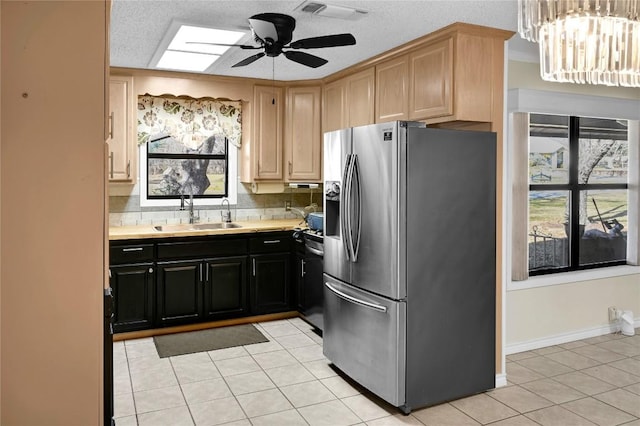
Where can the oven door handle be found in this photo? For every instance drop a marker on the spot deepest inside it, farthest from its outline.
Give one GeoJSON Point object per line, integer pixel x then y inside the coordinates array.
{"type": "Point", "coordinates": [315, 251]}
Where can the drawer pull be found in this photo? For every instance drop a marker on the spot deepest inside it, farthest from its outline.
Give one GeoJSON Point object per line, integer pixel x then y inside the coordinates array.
{"type": "Point", "coordinates": [271, 242]}
{"type": "Point", "coordinates": [132, 249]}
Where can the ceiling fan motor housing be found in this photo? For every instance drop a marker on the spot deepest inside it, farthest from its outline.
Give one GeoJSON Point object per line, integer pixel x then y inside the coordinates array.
{"type": "Point", "coordinates": [284, 24]}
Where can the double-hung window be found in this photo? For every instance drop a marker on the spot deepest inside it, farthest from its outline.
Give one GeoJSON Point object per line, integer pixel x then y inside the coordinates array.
{"type": "Point", "coordinates": [578, 198]}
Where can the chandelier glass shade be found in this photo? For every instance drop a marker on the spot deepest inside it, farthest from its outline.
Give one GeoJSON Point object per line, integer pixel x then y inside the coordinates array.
{"type": "Point", "coordinates": [585, 41]}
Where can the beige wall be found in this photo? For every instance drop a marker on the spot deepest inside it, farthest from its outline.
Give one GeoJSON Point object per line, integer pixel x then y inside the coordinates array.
{"type": "Point", "coordinates": [52, 150]}
{"type": "Point", "coordinates": [537, 316]}
{"type": "Point", "coordinates": [561, 310]}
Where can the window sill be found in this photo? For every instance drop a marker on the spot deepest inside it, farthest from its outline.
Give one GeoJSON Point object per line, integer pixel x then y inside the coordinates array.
{"type": "Point", "coordinates": [573, 277]}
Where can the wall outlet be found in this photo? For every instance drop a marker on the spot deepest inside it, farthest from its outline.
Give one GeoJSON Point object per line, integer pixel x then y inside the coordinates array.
{"type": "Point", "coordinates": [614, 314]}
{"type": "Point", "coordinates": [287, 205]}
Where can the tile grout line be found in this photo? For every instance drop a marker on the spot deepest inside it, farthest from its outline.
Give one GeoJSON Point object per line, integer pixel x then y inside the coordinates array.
{"type": "Point", "coordinates": [182, 391]}
{"type": "Point", "coordinates": [135, 407]}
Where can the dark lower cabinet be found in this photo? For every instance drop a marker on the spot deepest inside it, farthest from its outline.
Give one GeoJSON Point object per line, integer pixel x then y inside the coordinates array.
{"type": "Point", "coordinates": [225, 293]}
{"type": "Point", "coordinates": [270, 289]}
{"type": "Point", "coordinates": [179, 297]}
{"type": "Point", "coordinates": [132, 287]}
{"type": "Point", "coordinates": [167, 282]}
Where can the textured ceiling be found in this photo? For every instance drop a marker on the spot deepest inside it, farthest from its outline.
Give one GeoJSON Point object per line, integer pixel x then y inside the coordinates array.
{"type": "Point", "coordinates": [139, 26]}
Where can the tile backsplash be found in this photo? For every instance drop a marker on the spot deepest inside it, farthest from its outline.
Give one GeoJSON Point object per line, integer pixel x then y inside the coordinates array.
{"type": "Point", "coordinates": [125, 210]}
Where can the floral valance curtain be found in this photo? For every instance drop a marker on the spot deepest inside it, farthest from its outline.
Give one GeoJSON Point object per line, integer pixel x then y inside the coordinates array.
{"type": "Point", "coordinates": [188, 119]}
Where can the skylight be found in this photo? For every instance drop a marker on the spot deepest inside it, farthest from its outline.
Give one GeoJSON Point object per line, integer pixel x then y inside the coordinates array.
{"type": "Point", "coordinates": [185, 53]}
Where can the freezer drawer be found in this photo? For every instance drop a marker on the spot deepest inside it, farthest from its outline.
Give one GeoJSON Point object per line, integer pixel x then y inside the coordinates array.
{"type": "Point", "coordinates": [364, 336]}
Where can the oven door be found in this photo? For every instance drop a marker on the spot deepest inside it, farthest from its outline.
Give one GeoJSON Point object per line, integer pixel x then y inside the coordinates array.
{"type": "Point", "coordinates": [313, 293]}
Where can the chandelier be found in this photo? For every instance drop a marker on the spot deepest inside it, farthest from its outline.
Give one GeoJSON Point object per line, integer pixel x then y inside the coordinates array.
{"type": "Point", "coordinates": [585, 41]}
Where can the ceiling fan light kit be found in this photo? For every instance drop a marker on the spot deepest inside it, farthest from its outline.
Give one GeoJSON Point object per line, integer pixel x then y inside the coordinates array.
{"type": "Point", "coordinates": [584, 41]}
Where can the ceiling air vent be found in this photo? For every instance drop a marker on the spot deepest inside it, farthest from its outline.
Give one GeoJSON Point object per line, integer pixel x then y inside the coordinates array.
{"type": "Point", "coordinates": [312, 7]}
{"type": "Point", "coordinates": [331, 11]}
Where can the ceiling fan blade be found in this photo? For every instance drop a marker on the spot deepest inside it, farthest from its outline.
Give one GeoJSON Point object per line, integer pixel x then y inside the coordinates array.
{"type": "Point", "coordinates": [305, 59]}
{"type": "Point", "coordinates": [264, 29]}
{"type": "Point", "coordinates": [249, 60]}
{"type": "Point", "coordinates": [242, 46]}
{"type": "Point", "coordinates": [324, 41]}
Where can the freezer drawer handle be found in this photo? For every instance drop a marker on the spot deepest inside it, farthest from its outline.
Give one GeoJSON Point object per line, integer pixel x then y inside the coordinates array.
{"type": "Point", "coordinates": [355, 300]}
{"type": "Point", "coordinates": [132, 249]}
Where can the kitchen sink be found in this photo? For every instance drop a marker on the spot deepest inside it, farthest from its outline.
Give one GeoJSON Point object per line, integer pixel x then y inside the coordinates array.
{"type": "Point", "coordinates": [220, 225]}
{"type": "Point", "coordinates": [196, 227]}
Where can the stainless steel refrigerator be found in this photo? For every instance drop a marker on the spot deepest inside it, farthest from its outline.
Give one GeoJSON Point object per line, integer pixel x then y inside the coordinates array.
{"type": "Point", "coordinates": [409, 260]}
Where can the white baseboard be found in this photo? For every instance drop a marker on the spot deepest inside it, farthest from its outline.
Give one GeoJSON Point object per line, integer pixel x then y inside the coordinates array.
{"type": "Point", "coordinates": [501, 380]}
{"type": "Point", "coordinates": [558, 339]}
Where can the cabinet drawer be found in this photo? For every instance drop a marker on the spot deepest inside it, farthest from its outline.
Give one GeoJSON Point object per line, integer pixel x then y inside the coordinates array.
{"type": "Point", "coordinates": [199, 249]}
{"type": "Point", "coordinates": [133, 253]}
{"type": "Point", "coordinates": [270, 244]}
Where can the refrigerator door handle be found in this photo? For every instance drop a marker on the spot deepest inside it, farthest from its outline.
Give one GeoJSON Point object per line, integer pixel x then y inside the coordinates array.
{"type": "Point", "coordinates": [355, 239]}
{"type": "Point", "coordinates": [355, 300]}
{"type": "Point", "coordinates": [344, 207]}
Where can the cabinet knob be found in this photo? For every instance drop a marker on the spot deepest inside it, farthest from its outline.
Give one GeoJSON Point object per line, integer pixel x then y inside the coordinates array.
{"type": "Point", "coordinates": [151, 270]}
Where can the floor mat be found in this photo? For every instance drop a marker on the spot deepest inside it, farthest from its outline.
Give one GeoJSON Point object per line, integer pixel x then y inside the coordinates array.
{"type": "Point", "coordinates": [207, 340]}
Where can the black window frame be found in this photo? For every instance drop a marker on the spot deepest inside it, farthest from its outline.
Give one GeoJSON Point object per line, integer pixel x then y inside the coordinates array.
{"type": "Point", "coordinates": [574, 188]}
{"type": "Point", "coordinates": [189, 156]}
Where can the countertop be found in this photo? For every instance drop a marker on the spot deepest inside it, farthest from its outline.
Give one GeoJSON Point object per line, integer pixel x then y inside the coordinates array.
{"type": "Point", "coordinates": [246, 227]}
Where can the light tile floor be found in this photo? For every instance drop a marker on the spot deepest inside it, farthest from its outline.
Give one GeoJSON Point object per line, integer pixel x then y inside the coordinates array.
{"type": "Point", "coordinates": [287, 381]}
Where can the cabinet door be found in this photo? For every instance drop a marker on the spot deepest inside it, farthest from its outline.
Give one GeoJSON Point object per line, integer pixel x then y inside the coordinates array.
{"type": "Point", "coordinates": [270, 290]}
{"type": "Point", "coordinates": [430, 79]}
{"type": "Point", "coordinates": [179, 288]}
{"type": "Point", "coordinates": [392, 90]}
{"type": "Point", "coordinates": [267, 133]}
{"type": "Point", "coordinates": [225, 291]}
{"type": "Point", "coordinates": [132, 287]}
{"type": "Point", "coordinates": [303, 144]}
{"type": "Point", "coordinates": [334, 106]}
{"type": "Point", "coordinates": [360, 98]}
{"type": "Point", "coordinates": [121, 144]}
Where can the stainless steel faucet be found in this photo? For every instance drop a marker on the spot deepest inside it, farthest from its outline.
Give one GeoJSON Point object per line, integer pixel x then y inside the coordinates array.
{"type": "Point", "coordinates": [192, 217]}
{"type": "Point", "coordinates": [226, 216]}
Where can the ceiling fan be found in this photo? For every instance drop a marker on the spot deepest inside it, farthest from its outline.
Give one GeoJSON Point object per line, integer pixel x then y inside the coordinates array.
{"type": "Point", "coordinates": [274, 31]}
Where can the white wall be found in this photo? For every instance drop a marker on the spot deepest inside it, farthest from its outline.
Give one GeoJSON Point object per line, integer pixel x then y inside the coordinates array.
{"type": "Point", "coordinates": [545, 311]}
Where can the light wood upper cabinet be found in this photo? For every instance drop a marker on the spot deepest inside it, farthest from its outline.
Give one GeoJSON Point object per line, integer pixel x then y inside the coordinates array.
{"type": "Point", "coordinates": [303, 141]}
{"type": "Point", "coordinates": [453, 79]}
{"type": "Point", "coordinates": [334, 106]}
{"type": "Point", "coordinates": [349, 101]}
{"type": "Point", "coordinates": [267, 140]}
{"type": "Point", "coordinates": [392, 90]}
{"type": "Point", "coordinates": [431, 71]}
{"type": "Point", "coordinates": [360, 98]}
{"type": "Point", "coordinates": [121, 136]}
